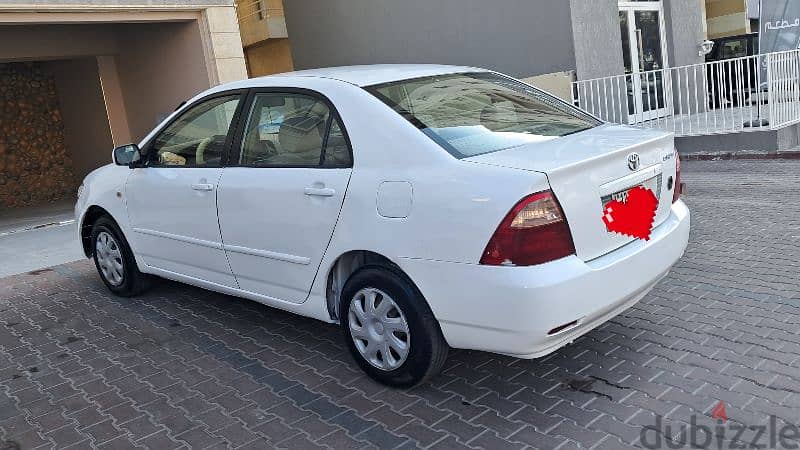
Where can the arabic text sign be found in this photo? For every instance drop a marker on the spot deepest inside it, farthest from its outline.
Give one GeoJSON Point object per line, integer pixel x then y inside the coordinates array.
{"type": "Point", "coordinates": [780, 25]}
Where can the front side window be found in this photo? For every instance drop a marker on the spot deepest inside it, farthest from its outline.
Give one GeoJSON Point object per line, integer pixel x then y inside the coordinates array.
{"type": "Point", "coordinates": [293, 130]}
{"type": "Point", "coordinates": [198, 137]}
{"type": "Point", "coordinates": [470, 114]}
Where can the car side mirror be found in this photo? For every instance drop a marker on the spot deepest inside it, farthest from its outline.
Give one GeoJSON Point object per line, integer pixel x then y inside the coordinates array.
{"type": "Point", "coordinates": [125, 155]}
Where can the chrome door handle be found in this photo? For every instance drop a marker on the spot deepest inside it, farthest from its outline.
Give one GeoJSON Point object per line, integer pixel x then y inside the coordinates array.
{"type": "Point", "coordinates": [320, 192]}
{"type": "Point", "coordinates": [203, 187]}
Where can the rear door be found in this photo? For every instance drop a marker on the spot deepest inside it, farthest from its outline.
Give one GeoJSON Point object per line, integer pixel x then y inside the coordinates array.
{"type": "Point", "coordinates": [587, 169]}
{"type": "Point", "coordinates": [279, 199]}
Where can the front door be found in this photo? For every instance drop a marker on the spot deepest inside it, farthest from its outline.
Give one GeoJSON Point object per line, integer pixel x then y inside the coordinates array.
{"type": "Point", "coordinates": [279, 205]}
{"type": "Point", "coordinates": [172, 200]}
{"type": "Point", "coordinates": [643, 52]}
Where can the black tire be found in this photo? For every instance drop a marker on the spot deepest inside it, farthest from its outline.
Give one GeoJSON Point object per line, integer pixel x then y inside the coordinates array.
{"type": "Point", "coordinates": [427, 349]}
{"type": "Point", "coordinates": [133, 281]}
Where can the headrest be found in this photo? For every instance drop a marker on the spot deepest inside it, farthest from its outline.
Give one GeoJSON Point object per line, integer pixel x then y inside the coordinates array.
{"type": "Point", "coordinates": [301, 134]}
{"type": "Point", "coordinates": [319, 109]}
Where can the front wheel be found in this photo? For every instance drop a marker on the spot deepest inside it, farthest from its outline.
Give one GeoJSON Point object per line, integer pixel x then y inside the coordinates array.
{"type": "Point", "coordinates": [114, 260]}
{"type": "Point", "coordinates": [390, 329]}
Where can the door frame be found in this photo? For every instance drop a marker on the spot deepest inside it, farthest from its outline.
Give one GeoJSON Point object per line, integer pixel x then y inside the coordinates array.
{"type": "Point", "coordinates": [233, 151]}
{"type": "Point", "coordinates": [180, 111]}
{"type": "Point", "coordinates": [630, 8]}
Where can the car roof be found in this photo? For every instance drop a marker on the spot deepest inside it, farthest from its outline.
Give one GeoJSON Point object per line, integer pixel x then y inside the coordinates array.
{"type": "Point", "coordinates": [368, 75]}
{"type": "Point", "coordinates": [362, 76]}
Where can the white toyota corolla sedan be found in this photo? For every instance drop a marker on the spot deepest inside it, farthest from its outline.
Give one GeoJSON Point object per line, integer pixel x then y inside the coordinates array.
{"type": "Point", "coordinates": [420, 207]}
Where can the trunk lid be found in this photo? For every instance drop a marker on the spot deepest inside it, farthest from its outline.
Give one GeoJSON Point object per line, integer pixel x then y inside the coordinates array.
{"type": "Point", "coordinates": [585, 169]}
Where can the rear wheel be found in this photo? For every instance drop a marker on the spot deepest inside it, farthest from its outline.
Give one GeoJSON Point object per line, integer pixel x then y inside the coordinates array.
{"type": "Point", "coordinates": [114, 260]}
{"type": "Point", "coordinates": [389, 328]}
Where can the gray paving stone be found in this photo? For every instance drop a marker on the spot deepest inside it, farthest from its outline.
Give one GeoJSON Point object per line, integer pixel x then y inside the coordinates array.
{"type": "Point", "coordinates": [420, 433]}
{"type": "Point", "coordinates": [459, 428]}
{"type": "Point", "coordinates": [275, 430]}
{"type": "Point", "coordinates": [530, 436]}
{"type": "Point", "coordinates": [489, 440]}
{"type": "Point", "coordinates": [180, 366]}
{"type": "Point", "coordinates": [381, 438]}
{"type": "Point", "coordinates": [340, 439]}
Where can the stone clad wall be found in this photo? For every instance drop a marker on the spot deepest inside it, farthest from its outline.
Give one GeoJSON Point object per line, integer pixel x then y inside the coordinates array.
{"type": "Point", "coordinates": [35, 166]}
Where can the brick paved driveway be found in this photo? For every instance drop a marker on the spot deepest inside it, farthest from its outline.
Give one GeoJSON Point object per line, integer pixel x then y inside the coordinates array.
{"type": "Point", "coordinates": [183, 367]}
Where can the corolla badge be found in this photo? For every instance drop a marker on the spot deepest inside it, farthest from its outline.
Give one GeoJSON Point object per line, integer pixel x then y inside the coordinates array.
{"type": "Point", "coordinates": [633, 162]}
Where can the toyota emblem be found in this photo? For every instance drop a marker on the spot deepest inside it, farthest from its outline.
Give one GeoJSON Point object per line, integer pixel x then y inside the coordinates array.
{"type": "Point", "coordinates": [633, 162]}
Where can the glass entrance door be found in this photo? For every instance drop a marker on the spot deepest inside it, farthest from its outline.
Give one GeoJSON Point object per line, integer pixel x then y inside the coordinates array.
{"type": "Point", "coordinates": [643, 54]}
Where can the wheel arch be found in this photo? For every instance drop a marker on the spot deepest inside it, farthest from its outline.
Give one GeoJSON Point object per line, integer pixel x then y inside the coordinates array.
{"type": "Point", "coordinates": [93, 213]}
{"type": "Point", "coordinates": [346, 265]}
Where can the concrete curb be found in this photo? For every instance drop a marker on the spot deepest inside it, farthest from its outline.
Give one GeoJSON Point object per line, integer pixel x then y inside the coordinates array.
{"type": "Point", "coordinates": [38, 227]}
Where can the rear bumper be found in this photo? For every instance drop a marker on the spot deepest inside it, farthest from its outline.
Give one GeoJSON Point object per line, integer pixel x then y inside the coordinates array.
{"type": "Point", "coordinates": [510, 310]}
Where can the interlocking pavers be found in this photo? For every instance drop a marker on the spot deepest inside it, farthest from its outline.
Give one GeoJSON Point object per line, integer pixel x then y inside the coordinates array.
{"type": "Point", "coordinates": [182, 367]}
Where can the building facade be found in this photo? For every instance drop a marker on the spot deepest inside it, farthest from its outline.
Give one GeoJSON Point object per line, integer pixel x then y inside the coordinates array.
{"type": "Point", "coordinates": [78, 77]}
{"type": "Point", "coordinates": [639, 62]}
{"type": "Point", "coordinates": [731, 17]}
{"type": "Point", "coordinates": [549, 42]}
{"type": "Point", "coordinates": [264, 36]}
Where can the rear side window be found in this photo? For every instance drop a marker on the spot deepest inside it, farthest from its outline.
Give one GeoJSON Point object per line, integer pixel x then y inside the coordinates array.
{"type": "Point", "coordinates": [293, 130]}
{"type": "Point", "coordinates": [470, 114]}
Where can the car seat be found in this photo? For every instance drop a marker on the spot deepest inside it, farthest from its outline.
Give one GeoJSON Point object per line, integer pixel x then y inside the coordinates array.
{"type": "Point", "coordinates": [300, 138]}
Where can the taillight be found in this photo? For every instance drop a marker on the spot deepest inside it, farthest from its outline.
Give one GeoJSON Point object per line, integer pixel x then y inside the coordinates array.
{"type": "Point", "coordinates": [677, 191]}
{"type": "Point", "coordinates": [533, 232]}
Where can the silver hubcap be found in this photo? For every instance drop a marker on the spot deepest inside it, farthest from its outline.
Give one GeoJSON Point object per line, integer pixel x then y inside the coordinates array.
{"type": "Point", "coordinates": [109, 258]}
{"type": "Point", "coordinates": [379, 329]}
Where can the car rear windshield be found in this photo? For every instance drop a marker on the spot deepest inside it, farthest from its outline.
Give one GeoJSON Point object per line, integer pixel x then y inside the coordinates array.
{"type": "Point", "coordinates": [471, 114]}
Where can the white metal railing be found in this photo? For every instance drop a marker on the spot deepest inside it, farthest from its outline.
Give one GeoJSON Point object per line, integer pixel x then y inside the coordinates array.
{"type": "Point", "coordinates": [728, 96]}
{"type": "Point", "coordinates": [783, 77]}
